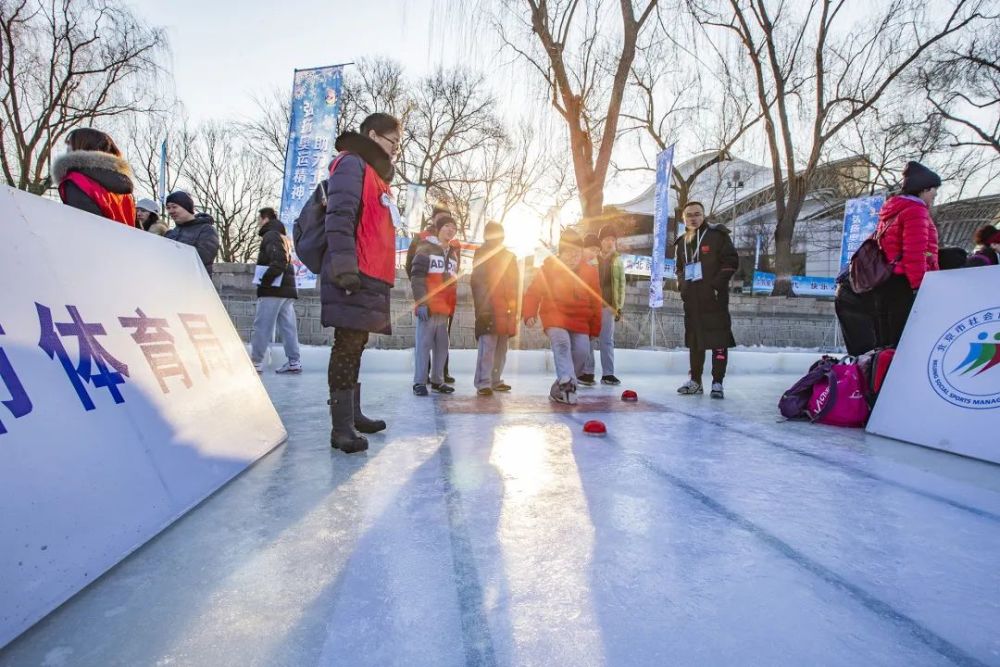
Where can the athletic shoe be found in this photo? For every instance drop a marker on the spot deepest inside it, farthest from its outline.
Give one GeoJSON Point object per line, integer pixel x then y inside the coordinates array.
{"type": "Point", "coordinates": [587, 380]}
{"type": "Point", "coordinates": [293, 367]}
{"type": "Point", "coordinates": [501, 386]}
{"type": "Point", "coordinates": [717, 390]}
{"type": "Point", "coordinates": [443, 388]}
{"type": "Point", "coordinates": [610, 379]}
{"type": "Point", "coordinates": [258, 366]}
{"type": "Point", "coordinates": [563, 393]}
{"type": "Point", "coordinates": [420, 390]}
{"type": "Point", "coordinates": [449, 379]}
{"type": "Point", "coordinates": [690, 388]}
{"type": "Point", "coordinates": [485, 391]}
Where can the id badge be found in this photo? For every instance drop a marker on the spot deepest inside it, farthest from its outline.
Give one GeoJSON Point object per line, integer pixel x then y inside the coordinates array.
{"type": "Point", "coordinates": [397, 220]}
{"type": "Point", "coordinates": [692, 271]}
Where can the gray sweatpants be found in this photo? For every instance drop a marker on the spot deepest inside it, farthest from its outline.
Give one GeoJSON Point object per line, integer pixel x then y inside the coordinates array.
{"type": "Point", "coordinates": [271, 311]}
{"type": "Point", "coordinates": [491, 360]}
{"type": "Point", "coordinates": [606, 343]}
{"type": "Point", "coordinates": [570, 351]}
{"type": "Point", "coordinates": [431, 347]}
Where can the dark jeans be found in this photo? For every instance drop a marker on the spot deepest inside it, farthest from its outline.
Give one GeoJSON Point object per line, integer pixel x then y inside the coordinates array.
{"type": "Point", "coordinates": [893, 302]}
{"type": "Point", "coordinates": [720, 359]}
{"type": "Point", "coordinates": [345, 358]}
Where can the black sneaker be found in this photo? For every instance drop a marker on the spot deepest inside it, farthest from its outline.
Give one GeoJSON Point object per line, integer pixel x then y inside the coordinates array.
{"type": "Point", "coordinates": [443, 388]}
{"type": "Point", "coordinates": [610, 379]}
{"type": "Point", "coordinates": [449, 379]}
{"type": "Point", "coordinates": [420, 389]}
{"type": "Point", "coordinates": [587, 380]}
{"type": "Point", "coordinates": [485, 391]}
{"type": "Point", "coordinates": [503, 386]}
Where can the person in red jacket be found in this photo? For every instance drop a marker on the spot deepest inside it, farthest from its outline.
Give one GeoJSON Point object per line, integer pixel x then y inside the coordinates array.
{"type": "Point", "coordinates": [434, 280]}
{"type": "Point", "coordinates": [94, 177]}
{"type": "Point", "coordinates": [566, 295]}
{"type": "Point", "coordinates": [908, 238]}
{"type": "Point", "coordinates": [495, 283]}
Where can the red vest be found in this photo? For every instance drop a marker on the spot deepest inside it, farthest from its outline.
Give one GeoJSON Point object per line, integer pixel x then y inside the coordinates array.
{"type": "Point", "coordinates": [375, 235]}
{"type": "Point", "coordinates": [117, 207]}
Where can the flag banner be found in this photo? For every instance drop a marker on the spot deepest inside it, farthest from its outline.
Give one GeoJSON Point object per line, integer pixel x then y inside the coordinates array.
{"type": "Point", "coordinates": [814, 286]}
{"type": "Point", "coordinates": [860, 220]}
{"type": "Point", "coordinates": [763, 282]}
{"type": "Point", "coordinates": [162, 190]}
{"type": "Point", "coordinates": [415, 197]}
{"type": "Point", "coordinates": [661, 213]}
{"type": "Point", "coordinates": [312, 131]}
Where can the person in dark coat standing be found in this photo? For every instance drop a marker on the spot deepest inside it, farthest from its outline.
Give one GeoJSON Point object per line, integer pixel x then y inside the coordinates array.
{"type": "Point", "coordinates": [359, 268]}
{"type": "Point", "coordinates": [94, 177]}
{"type": "Point", "coordinates": [495, 285]}
{"type": "Point", "coordinates": [193, 230]}
{"type": "Point", "coordinates": [706, 260]}
{"type": "Point", "coordinates": [276, 294]}
{"type": "Point", "coordinates": [856, 316]}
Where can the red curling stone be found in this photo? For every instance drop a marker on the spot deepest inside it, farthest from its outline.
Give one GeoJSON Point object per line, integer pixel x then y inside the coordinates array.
{"type": "Point", "coordinates": [630, 396]}
{"type": "Point", "coordinates": [595, 427]}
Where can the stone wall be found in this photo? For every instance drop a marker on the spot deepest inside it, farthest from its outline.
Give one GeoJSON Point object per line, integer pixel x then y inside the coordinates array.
{"type": "Point", "coordinates": [769, 321]}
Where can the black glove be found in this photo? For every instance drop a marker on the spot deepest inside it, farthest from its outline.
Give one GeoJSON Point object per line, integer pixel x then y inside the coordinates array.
{"type": "Point", "coordinates": [618, 315]}
{"type": "Point", "coordinates": [485, 322]}
{"type": "Point", "coordinates": [349, 282]}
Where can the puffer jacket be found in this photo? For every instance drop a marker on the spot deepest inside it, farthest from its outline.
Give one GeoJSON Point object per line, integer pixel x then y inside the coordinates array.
{"type": "Point", "coordinates": [434, 277]}
{"type": "Point", "coordinates": [907, 232]}
{"type": "Point", "coordinates": [201, 234]}
{"type": "Point", "coordinates": [565, 299]}
{"type": "Point", "coordinates": [96, 182]}
{"type": "Point", "coordinates": [276, 254]}
{"type": "Point", "coordinates": [494, 282]}
{"type": "Point", "coordinates": [985, 256]}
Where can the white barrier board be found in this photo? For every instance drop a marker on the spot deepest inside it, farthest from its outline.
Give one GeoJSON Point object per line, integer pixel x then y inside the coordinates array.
{"type": "Point", "coordinates": [943, 388]}
{"type": "Point", "coordinates": [126, 397]}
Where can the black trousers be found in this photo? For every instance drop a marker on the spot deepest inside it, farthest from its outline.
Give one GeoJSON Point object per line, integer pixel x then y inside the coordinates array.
{"type": "Point", "coordinates": [856, 315]}
{"type": "Point", "coordinates": [345, 358]}
{"type": "Point", "coordinates": [893, 302]}
{"type": "Point", "coordinates": [720, 359]}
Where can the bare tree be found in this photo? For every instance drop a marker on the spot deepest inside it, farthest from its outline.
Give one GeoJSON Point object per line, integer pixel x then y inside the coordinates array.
{"type": "Point", "coordinates": [143, 139]}
{"type": "Point", "coordinates": [584, 66]}
{"type": "Point", "coordinates": [963, 86]}
{"type": "Point", "coordinates": [63, 64]}
{"type": "Point", "coordinates": [266, 131]}
{"type": "Point", "coordinates": [815, 74]}
{"type": "Point", "coordinates": [232, 183]}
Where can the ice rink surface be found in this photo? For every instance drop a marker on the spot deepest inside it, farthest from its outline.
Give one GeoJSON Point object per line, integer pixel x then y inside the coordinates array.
{"type": "Point", "coordinates": [494, 532]}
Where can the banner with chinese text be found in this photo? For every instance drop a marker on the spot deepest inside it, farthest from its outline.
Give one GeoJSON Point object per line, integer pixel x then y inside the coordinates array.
{"type": "Point", "coordinates": [123, 403]}
{"type": "Point", "coordinates": [312, 131]}
{"type": "Point", "coordinates": [661, 213]}
{"type": "Point", "coordinates": [860, 220]}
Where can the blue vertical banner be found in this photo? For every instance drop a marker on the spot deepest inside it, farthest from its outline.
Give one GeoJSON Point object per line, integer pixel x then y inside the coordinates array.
{"type": "Point", "coordinates": [312, 131]}
{"type": "Point", "coordinates": [661, 214]}
{"type": "Point", "coordinates": [860, 220]}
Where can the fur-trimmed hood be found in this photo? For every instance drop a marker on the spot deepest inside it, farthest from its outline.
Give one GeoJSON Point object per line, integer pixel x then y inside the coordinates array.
{"type": "Point", "coordinates": [109, 170]}
{"type": "Point", "coordinates": [369, 151]}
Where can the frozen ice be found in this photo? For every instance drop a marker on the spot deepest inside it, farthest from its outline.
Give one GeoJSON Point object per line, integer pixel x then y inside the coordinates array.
{"type": "Point", "coordinates": [494, 532]}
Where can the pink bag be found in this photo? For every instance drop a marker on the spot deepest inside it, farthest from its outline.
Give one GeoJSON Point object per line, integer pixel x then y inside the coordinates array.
{"type": "Point", "coordinates": [840, 403]}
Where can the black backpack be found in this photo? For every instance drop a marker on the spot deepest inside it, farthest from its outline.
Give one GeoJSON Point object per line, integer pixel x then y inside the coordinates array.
{"type": "Point", "coordinates": [309, 230]}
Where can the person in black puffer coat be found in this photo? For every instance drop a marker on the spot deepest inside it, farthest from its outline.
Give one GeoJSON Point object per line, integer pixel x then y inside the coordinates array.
{"type": "Point", "coordinates": [359, 267]}
{"type": "Point", "coordinates": [276, 294]}
{"type": "Point", "coordinates": [705, 293]}
{"type": "Point", "coordinates": [193, 230]}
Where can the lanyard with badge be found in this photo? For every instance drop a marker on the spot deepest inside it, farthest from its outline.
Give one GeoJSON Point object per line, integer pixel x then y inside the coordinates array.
{"type": "Point", "coordinates": [692, 270]}
{"type": "Point", "coordinates": [389, 203]}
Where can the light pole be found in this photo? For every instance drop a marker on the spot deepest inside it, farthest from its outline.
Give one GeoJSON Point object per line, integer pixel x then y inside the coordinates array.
{"type": "Point", "coordinates": [735, 183]}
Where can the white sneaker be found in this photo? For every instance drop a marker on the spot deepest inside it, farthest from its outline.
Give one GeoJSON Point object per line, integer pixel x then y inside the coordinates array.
{"type": "Point", "coordinates": [717, 391]}
{"type": "Point", "coordinates": [689, 388]}
{"type": "Point", "coordinates": [570, 391]}
{"type": "Point", "coordinates": [294, 367]}
{"type": "Point", "coordinates": [563, 393]}
{"type": "Point", "coordinates": [258, 366]}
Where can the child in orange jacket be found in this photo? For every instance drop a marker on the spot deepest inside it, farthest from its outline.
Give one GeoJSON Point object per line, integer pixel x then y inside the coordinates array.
{"type": "Point", "coordinates": [566, 295]}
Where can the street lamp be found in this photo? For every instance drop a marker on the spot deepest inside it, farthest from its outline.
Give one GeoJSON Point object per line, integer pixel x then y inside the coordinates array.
{"type": "Point", "coordinates": [735, 183]}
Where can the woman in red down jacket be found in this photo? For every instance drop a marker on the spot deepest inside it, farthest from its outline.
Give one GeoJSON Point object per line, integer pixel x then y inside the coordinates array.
{"type": "Point", "coordinates": [909, 238]}
{"type": "Point", "coordinates": [94, 177]}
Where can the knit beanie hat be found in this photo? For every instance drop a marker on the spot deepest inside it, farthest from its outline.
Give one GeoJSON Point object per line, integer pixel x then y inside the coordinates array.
{"type": "Point", "coordinates": [182, 199]}
{"type": "Point", "coordinates": [917, 178]}
{"type": "Point", "coordinates": [608, 231]}
{"type": "Point", "coordinates": [570, 239]}
{"type": "Point", "coordinates": [442, 220]}
{"type": "Point", "coordinates": [591, 241]}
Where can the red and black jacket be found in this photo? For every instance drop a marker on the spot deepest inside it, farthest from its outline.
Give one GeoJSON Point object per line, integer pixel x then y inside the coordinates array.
{"type": "Point", "coordinates": [434, 277]}
{"type": "Point", "coordinates": [99, 183]}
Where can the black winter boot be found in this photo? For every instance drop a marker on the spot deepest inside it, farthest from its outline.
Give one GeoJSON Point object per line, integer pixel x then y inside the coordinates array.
{"type": "Point", "coordinates": [362, 423]}
{"type": "Point", "coordinates": [342, 433]}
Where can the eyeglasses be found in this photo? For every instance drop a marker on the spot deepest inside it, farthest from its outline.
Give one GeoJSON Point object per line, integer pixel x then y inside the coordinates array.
{"type": "Point", "coordinates": [392, 142]}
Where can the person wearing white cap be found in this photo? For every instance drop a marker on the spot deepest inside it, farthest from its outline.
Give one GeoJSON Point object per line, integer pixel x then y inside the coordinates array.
{"type": "Point", "coordinates": [147, 218]}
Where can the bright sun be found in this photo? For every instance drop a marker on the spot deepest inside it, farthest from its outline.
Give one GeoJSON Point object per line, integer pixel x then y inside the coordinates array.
{"type": "Point", "coordinates": [523, 229]}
